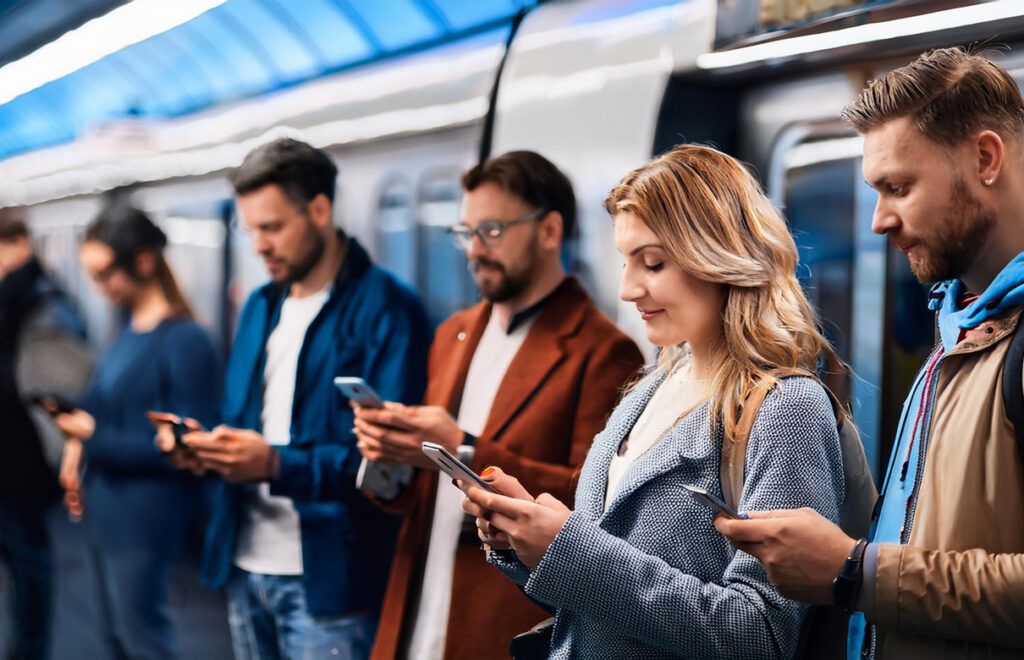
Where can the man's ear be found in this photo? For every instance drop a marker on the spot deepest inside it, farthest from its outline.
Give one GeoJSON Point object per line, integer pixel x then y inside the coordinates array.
{"type": "Point", "coordinates": [551, 231]}
{"type": "Point", "coordinates": [320, 210]}
{"type": "Point", "coordinates": [990, 151]}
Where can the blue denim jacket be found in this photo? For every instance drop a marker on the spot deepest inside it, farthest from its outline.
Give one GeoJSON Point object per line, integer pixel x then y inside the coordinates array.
{"type": "Point", "coordinates": [371, 326]}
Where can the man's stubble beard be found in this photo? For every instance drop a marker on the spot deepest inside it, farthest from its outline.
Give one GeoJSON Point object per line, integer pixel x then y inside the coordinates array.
{"type": "Point", "coordinates": [952, 253]}
{"type": "Point", "coordinates": [512, 285]}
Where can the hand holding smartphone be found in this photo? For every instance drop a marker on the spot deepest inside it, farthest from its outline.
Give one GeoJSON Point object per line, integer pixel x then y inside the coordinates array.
{"type": "Point", "coordinates": [178, 426]}
{"type": "Point", "coordinates": [715, 503]}
{"type": "Point", "coordinates": [383, 481]}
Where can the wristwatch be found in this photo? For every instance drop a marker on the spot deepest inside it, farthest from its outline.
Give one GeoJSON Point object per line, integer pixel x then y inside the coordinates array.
{"type": "Point", "coordinates": [846, 586]}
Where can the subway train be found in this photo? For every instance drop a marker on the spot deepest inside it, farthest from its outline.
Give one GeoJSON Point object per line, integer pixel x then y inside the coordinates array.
{"type": "Point", "coordinates": [597, 86]}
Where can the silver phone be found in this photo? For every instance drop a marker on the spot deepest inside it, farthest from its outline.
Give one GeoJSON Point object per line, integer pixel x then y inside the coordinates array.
{"type": "Point", "coordinates": [358, 390]}
{"type": "Point", "coordinates": [452, 466]}
{"type": "Point", "coordinates": [380, 479]}
{"type": "Point", "coordinates": [713, 502]}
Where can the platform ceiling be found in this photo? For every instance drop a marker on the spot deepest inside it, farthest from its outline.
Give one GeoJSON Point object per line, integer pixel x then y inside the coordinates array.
{"type": "Point", "coordinates": [240, 49]}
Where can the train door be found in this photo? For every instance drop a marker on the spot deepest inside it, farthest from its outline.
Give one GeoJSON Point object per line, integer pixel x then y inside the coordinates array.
{"type": "Point", "coordinates": [398, 196]}
{"type": "Point", "coordinates": [814, 176]}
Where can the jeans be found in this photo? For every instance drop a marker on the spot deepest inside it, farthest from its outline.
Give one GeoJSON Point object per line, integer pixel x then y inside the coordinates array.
{"type": "Point", "coordinates": [268, 619]}
{"type": "Point", "coordinates": [133, 601]}
{"type": "Point", "coordinates": [25, 548]}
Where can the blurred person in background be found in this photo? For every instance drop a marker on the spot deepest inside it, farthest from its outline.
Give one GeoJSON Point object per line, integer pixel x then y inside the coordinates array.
{"type": "Point", "coordinates": [303, 554]}
{"type": "Point", "coordinates": [137, 507]}
{"type": "Point", "coordinates": [637, 569]}
{"type": "Point", "coordinates": [38, 327]}
{"type": "Point", "coordinates": [523, 380]}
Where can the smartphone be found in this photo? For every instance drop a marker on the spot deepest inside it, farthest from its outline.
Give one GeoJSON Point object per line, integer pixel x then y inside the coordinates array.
{"type": "Point", "coordinates": [452, 466]}
{"type": "Point", "coordinates": [714, 503]}
{"type": "Point", "coordinates": [357, 390]}
{"type": "Point", "coordinates": [53, 404]}
{"type": "Point", "coordinates": [384, 481]}
{"type": "Point", "coordinates": [176, 422]}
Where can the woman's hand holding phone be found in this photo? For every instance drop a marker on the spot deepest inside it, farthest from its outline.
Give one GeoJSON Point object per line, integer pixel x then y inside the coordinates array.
{"type": "Point", "coordinates": [512, 518]}
{"type": "Point", "coordinates": [167, 440]}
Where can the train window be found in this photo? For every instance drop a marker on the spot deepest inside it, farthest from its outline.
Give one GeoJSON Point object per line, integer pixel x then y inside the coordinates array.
{"type": "Point", "coordinates": [815, 178]}
{"type": "Point", "coordinates": [872, 309]}
{"type": "Point", "coordinates": [396, 227]}
{"type": "Point", "coordinates": [443, 278]}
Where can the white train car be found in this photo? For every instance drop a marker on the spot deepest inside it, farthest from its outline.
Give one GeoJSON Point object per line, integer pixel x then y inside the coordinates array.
{"type": "Point", "coordinates": [597, 86]}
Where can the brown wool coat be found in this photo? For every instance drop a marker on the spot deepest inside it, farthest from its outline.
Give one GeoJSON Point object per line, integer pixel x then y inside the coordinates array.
{"type": "Point", "coordinates": [556, 395]}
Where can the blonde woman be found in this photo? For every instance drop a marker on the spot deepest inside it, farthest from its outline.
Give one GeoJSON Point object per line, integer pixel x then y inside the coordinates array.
{"type": "Point", "coordinates": [637, 569]}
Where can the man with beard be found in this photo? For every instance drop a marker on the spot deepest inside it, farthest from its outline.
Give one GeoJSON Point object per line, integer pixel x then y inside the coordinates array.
{"type": "Point", "coordinates": [522, 381]}
{"type": "Point", "coordinates": [303, 555]}
{"type": "Point", "coordinates": [942, 574]}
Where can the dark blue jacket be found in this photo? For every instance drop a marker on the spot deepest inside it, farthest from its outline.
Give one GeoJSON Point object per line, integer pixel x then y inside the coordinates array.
{"type": "Point", "coordinates": [371, 326]}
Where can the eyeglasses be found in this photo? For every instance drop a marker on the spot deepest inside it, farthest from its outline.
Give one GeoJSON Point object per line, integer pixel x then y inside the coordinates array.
{"type": "Point", "coordinates": [489, 232]}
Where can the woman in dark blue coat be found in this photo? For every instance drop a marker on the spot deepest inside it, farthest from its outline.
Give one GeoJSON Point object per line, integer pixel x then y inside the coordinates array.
{"type": "Point", "coordinates": [137, 508]}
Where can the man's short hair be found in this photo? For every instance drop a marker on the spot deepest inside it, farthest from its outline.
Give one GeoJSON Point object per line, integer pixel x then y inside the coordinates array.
{"type": "Point", "coordinates": [12, 227]}
{"type": "Point", "coordinates": [950, 94]}
{"type": "Point", "coordinates": [302, 171]}
{"type": "Point", "coordinates": [532, 178]}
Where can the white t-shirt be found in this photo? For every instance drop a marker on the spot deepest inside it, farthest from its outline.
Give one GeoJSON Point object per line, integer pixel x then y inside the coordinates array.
{"type": "Point", "coordinates": [270, 539]}
{"type": "Point", "coordinates": [486, 371]}
{"type": "Point", "coordinates": [676, 395]}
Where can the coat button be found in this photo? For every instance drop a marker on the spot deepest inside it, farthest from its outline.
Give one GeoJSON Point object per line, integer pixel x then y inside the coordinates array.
{"type": "Point", "coordinates": [461, 336]}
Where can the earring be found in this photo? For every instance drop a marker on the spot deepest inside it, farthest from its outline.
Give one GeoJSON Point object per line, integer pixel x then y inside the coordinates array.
{"type": "Point", "coordinates": [988, 182]}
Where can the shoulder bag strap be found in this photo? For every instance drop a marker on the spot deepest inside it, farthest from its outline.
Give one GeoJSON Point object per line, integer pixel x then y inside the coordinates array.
{"type": "Point", "coordinates": [1013, 384]}
{"type": "Point", "coordinates": [734, 449]}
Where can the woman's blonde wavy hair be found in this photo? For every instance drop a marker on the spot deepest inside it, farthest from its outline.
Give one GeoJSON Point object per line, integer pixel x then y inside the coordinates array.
{"type": "Point", "coordinates": [714, 220]}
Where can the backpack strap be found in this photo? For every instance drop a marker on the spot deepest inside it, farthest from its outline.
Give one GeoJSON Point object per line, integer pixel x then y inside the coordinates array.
{"type": "Point", "coordinates": [734, 449]}
{"type": "Point", "coordinates": [1013, 383]}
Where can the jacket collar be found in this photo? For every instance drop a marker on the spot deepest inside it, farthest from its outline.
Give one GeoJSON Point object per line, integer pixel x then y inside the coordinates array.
{"type": "Point", "coordinates": [664, 456]}
{"type": "Point", "coordinates": [987, 333]}
{"type": "Point", "coordinates": [543, 349]}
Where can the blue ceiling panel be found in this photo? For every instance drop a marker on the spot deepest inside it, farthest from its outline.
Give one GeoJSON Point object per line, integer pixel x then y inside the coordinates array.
{"type": "Point", "coordinates": [461, 14]}
{"type": "Point", "coordinates": [335, 37]}
{"type": "Point", "coordinates": [398, 23]}
{"type": "Point", "coordinates": [291, 57]}
{"type": "Point", "coordinates": [241, 49]}
{"type": "Point", "coordinates": [233, 52]}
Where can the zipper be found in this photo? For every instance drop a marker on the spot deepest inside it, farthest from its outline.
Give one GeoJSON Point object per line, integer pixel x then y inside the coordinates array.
{"type": "Point", "coordinates": [908, 520]}
{"type": "Point", "coordinates": [870, 642]}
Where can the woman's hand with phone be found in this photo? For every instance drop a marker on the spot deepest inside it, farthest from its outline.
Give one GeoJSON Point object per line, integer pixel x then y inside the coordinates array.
{"type": "Point", "coordinates": [76, 425]}
{"type": "Point", "coordinates": [505, 484]}
{"type": "Point", "coordinates": [166, 441]}
{"type": "Point", "coordinates": [513, 518]}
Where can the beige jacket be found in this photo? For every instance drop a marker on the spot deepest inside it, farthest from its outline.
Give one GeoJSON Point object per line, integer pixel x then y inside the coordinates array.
{"type": "Point", "coordinates": [956, 590]}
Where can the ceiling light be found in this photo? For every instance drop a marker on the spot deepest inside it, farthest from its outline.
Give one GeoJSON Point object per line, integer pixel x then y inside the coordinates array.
{"type": "Point", "coordinates": [102, 36]}
{"type": "Point", "coordinates": [902, 27]}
